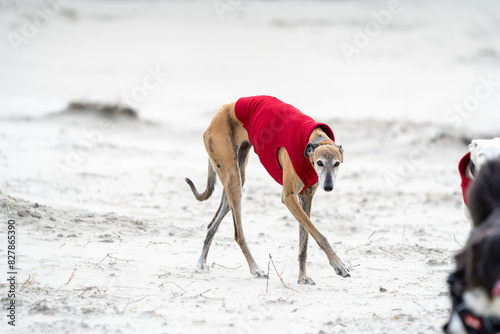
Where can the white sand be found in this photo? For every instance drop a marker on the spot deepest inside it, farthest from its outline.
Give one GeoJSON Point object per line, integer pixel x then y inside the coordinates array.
{"type": "Point", "coordinates": [116, 247]}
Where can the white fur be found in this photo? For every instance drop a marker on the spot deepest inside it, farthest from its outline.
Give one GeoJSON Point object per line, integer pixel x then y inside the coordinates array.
{"type": "Point", "coordinates": [323, 171]}
{"type": "Point", "coordinates": [483, 150]}
{"type": "Point", "coordinates": [456, 326]}
{"type": "Point", "coordinates": [478, 301]}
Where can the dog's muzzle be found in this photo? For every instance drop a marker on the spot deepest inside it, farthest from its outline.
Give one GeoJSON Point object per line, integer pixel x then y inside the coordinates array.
{"type": "Point", "coordinates": [328, 187]}
{"type": "Point", "coordinates": [472, 323]}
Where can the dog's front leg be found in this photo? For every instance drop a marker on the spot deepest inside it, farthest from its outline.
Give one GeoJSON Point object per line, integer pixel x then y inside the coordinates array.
{"type": "Point", "coordinates": [292, 203]}
{"type": "Point", "coordinates": [291, 187]}
{"type": "Point", "coordinates": [305, 202]}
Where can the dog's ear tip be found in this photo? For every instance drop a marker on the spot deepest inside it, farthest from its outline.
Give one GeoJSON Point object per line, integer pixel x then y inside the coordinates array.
{"type": "Point", "coordinates": [310, 147]}
{"type": "Point", "coordinates": [307, 150]}
{"type": "Point", "coordinates": [473, 144]}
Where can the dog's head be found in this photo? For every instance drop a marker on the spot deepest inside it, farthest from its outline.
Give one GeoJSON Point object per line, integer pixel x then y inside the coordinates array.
{"type": "Point", "coordinates": [478, 269]}
{"type": "Point", "coordinates": [325, 156]}
{"type": "Point", "coordinates": [483, 150]}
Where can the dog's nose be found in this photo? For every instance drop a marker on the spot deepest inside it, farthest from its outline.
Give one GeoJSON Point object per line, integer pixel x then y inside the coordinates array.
{"type": "Point", "coordinates": [328, 187]}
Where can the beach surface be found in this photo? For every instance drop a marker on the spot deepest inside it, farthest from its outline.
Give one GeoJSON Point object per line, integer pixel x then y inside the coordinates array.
{"type": "Point", "coordinates": [108, 234]}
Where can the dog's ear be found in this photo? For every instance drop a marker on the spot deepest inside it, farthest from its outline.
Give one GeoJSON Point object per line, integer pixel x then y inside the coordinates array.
{"type": "Point", "coordinates": [341, 151]}
{"type": "Point", "coordinates": [309, 149]}
{"type": "Point", "coordinates": [472, 145]}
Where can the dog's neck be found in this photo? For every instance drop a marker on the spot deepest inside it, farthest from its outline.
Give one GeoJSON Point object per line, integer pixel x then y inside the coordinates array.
{"type": "Point", "coordinates": [319, 139]}
{"type": "Point", "coordinates": [318, 136]}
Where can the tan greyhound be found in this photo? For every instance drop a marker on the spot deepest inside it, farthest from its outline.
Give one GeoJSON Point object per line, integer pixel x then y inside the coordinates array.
{"type": "Point", "coordinates": [228, 143]}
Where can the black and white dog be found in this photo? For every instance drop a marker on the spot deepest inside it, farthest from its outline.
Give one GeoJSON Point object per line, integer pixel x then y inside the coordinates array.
{"type": "Point", "coordinates": [480, 152]}
{"type": "Point", "coordinates": [475, 284]}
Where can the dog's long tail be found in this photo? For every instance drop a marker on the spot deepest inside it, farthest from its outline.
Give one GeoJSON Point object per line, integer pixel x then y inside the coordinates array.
{"type": "Point", "coordinates": [484, 194]}
{"type": "Point", "coordinates": [212, 177]}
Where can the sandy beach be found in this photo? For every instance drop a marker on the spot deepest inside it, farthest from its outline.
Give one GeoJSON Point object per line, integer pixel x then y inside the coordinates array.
{"type": "Point", "coordinates": [108, 234]}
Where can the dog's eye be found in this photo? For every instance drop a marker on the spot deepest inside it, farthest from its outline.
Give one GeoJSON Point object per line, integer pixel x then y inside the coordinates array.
{"type": "Point", "coordinates": [336, 164]}
{"type": "Point", "coordinates": [319, 163]}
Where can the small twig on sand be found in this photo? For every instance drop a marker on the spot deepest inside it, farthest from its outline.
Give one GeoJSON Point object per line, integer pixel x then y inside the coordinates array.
{"type": "Point", "coordinates": [383, 249]}
{"type": "Point", "coordinates": [154, 186]}
{"type": "Point", "coordinates": [403, 237]}
{"type": "Point", "coordinates": [378, 269]}
{"type": "Point", "coordinates": [28, 281]}
{"type": "Point", "coordinates": [190, 284]}
{"type": "Point", "coordinates": [104, 258]}
{"type": "Point", "coordinates": [201, 294]}
{"type": "Point", "coordinates": [268, 266]}
{"type": "Point", "coordinates": [113, 258]}
{"type": "Point", "coordinates": [394, 254]}
{"type": "Point", "coordinates": [454, 237]}
{"type": "Point", "coordinates": [371, 235]}
{"type": "Point", "coordinates": [161, 285]}
{"type": "Point", "coordinates": [421, 306]}
{"type": "Point", "coordinates": [7, 201]}
{"type": "Point", "coordinates": [353, 248]}
{"type": "Point", "coordinates": [131, 302]}
{"type": "Point", "coordinates": [71, 277]}
{"type": "Point", "coordinates": [220, 265]}
{"type": "Point", "coordinates": [47, 274]}
{"type": "Point", "coordinates": [276, 270]}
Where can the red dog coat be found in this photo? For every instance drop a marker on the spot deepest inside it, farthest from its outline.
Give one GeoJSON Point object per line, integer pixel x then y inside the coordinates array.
{"type": "Point", "coordinates": [272, 124]}
{"type": "Point", "coordinates": [462, 168]}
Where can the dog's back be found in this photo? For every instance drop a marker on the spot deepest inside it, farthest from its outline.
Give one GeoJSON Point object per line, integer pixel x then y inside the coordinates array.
{"type": "Point", "coordinates": [484, 194]}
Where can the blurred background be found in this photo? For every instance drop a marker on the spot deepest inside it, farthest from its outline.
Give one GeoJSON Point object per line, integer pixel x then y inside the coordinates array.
{"type": "Point", "coordinates": [352, 59]}
{"type": "Point", "coordinates": [102, 108]}
{"type": "Point", "coordinates": [174, 63]}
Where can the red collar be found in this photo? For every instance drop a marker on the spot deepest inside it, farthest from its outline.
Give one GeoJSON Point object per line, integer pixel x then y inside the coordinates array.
{"type": "Point", "coordinates": [462, 168]}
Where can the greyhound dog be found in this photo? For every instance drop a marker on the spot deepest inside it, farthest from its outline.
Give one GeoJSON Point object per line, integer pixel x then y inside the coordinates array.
{"type": "Point", "coordinates": [480, 152]}
{"type": "Point", "coordinates": [299, 153]}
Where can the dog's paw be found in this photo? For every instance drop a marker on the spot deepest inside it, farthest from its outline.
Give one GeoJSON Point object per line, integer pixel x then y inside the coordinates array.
{"type": "Point", "coordinates": [202, 266]}
{"type": "Point", "coordinates": [305, 280]}
{"type": "Point", "coordinates": [341, 270]}
{"type": "Point", "coordinates": [259, 273]}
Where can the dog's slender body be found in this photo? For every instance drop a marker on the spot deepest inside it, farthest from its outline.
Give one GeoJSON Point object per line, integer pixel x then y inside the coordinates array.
{"type": "Point", "coordinates": [228, 145]}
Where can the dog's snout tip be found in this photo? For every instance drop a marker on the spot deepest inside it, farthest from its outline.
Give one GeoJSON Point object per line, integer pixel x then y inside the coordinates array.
{"type": "Point", "coordinates": [328, 188]}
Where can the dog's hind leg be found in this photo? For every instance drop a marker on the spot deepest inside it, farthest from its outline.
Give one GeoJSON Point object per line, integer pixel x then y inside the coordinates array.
{"type": "Point", "coordinates": [243, 151]}
{"type": "Point", "coordinates": [305, 202]}
{"type": "Point", "coordinates": [223, 207]}
{"type": "Point", "coordinates": [233, 187]}
{"type": "Point", "coordinates": [243, 159]}
{"type": "Point", "coordinates": [227, 145]}
{"type": "Point", "coordinates": [212, 229]}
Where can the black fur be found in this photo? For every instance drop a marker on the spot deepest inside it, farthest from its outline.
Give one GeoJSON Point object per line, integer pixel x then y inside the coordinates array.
{"type": "Point", "coordinates": [310, 148]}
{"type": "Point", "coordinates": [478, 264]}
{"type": "Point", "coordinates": [484, 194]}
